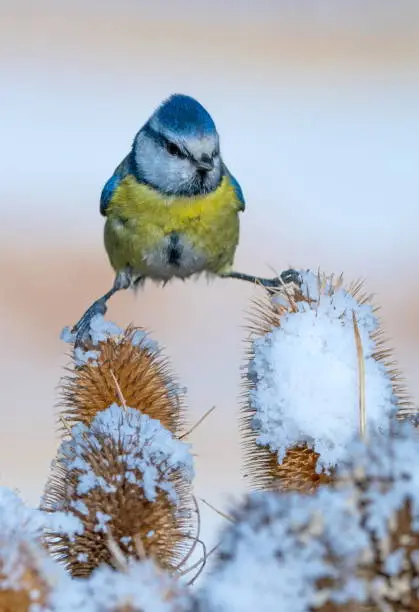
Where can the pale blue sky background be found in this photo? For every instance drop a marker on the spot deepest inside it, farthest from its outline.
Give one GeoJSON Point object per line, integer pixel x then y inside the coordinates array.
{"type": "Point", "coordinates": [318, 110]}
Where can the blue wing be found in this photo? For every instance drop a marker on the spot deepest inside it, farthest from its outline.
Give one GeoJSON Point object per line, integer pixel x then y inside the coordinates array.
{"type": "Point", "coordinates": [112, 184]}
{"type": "Point", "coordinates": [107, 192]}
{"type": "Point", "coordinates": [237, 189]}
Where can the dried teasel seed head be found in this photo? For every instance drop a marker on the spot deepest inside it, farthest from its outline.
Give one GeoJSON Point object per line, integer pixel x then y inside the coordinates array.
{"type": "Point", "coordinates": [27, 573]}
{"type": "Point", "coordinates": [281, 548]}
{"type": "Point", "coordinates": [124, 476]}
{"type": "Point", "coordinates": [124, 367]}
{"type": "Point", "coordinates": [383, 477]}
{"type": "Point", "coordinates": [317, 372]}
{"type": "Point", "coordinates": [350, 546]}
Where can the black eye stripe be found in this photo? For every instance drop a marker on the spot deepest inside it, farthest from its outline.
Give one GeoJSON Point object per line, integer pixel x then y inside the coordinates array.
{"type": "Point", "coordinates": [163, 141]}
{"type": "Point", "coordinates": [168, 144]}
{"type": "Point", "coordinates": [173, 149]}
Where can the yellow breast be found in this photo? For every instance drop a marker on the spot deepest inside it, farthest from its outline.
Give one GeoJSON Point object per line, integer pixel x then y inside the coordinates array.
{"type": "Point", "coordinates": [140, 222]}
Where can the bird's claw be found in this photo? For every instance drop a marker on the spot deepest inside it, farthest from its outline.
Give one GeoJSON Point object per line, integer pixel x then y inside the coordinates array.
{"type": "Point", "coordinates": [285, 278]}
{"type": "Point", "coordinates": [82, 328]}
{"type": "Point", "coordinates": [291, 276]}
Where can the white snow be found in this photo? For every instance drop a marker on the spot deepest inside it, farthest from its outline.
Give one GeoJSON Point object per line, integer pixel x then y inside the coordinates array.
{"type": "Point", "coordinates": [282, 544]}
{"type": "Point", "coordinates": [18, 520]}
{"type": "Point", "coordinates": [149, 455]}
{"type": "Point", "coordinates": [81, 357]}
{"type": "Point", "coordinates": [141, 337]}
{"type": "Point", "coordinates": [384, 461]}
{"type": "Point", "coordinates": [21, 529]}
{"type": "Point", "coordinates": [101, 520]}
{"type": "Point", "coordinates": [143, 586]}
{"type": "Point", "coordinates": [306, 381]}
{"type": "Point", "coordinates": [99, 331]}
{"type": "Point", "coordinates": [278, 549]}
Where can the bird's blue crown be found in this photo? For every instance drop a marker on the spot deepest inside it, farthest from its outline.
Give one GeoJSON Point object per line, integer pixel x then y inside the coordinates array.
{"type": "Point", "coordinates": [185, 116]}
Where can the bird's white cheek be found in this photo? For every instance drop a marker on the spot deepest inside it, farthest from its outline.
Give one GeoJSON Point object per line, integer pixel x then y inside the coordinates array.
{"type": "Point", "coordinates": [180, 171]}
{"type": "Point", "coordinates": [187, 171]}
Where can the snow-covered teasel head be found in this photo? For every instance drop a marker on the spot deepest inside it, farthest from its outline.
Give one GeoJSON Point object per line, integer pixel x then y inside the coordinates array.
{"type": "Point", "coordinates": [280, 548]}
{"type": "Point", "coordinates": [127, 363]}
{"type": "Point", "coordinates": [27, 573]}
{"type": "Point", "coordinates": [124, 475]}
{"type": "Point", "coordinates": [314, 354]}
{"type": "Point", "coordinates": [350, 545]}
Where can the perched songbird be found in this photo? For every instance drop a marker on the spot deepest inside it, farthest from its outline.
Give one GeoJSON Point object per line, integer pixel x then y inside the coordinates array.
{"type": "Point", "coordinates": [171, 206]}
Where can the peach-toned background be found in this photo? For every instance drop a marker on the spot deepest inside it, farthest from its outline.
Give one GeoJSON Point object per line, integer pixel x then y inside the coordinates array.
{"type": "Point", "coordinates": [318, 108]}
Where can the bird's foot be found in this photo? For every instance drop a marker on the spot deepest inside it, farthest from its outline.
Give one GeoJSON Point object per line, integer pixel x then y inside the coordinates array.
{"type": "Point", "coordinates": [82, 328]}
{"type": "Point", "coordinates": [285, 278]}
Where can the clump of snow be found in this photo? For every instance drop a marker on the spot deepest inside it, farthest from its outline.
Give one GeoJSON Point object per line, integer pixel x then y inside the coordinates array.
{"type": "Point", "coordinates": [305, 375]}
{"type": "Point", "coordinates": [386, 480]}
{"type": "Point", "coordinates": [21, 551]}
{"type": "Point", "coordinates": [141, 337]}
{"type": "Point", "coordinates": [273, 557]}
{"type": "Point", "coordinates": [387, 467]}
{"type": "Point", "coordinates": [63, 522]}
{"type": "Point", "coordinates": [346, 543]}
{"type": "Point", "coordinates": [147, 455]}
{"type": "Point", "coordinates": [82, 357]}
{"type": "Point", "coordinates": [99, 331]}
{"type": "Point", "coordinates": [101, 521]}
{"type": "Point", "coordinates": [17, 520]}
{"type": "Point", "coordinates": [141, 588]}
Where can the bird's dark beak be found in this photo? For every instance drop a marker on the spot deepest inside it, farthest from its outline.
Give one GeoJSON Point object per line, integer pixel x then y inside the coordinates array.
{"type": "Point", "coordinates": [205, 164]}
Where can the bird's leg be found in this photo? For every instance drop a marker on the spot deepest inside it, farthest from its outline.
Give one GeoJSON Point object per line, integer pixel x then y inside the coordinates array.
{"type": "Point", "coordinates": [99, 307]}
{"type": "Point", "coordinates": [288, 276]}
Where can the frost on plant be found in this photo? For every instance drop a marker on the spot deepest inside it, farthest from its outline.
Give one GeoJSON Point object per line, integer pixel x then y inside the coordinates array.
{"type": "Point", "coordinates": [385, 477]}
{"type": "Point", "coordinates": [127, 368]}
{"type": "Point", "coordinates": [149, 453]}
{"type": "Point", "coordinates": [352, 543]}
{"type": "Point", "coordinates": [304, 374]}
{"type": "Point", "coordinates": [141, 587]}
{"type": "Point", "coordinates": [124, 475]}
{"type": "Point", "coordinates": [101, 330]}
{"type": "Point", "coordinates": [284, 552]}
{"type": "Point", "coordinates": [26, 571]}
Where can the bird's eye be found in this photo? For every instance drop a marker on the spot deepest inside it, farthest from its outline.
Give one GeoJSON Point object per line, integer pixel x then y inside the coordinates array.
{"type": "Point", "coordinates": [215, 153]}
{"type": "Point", "coordinates": [174, 149]}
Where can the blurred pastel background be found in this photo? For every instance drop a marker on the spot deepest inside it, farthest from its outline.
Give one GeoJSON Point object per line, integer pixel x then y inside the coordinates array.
{"type": "Point", "coordinates": [317, 103]}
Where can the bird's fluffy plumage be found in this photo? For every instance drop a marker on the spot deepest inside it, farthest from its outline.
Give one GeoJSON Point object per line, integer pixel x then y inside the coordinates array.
{"type": "Point", "coordinates": [172, 206]}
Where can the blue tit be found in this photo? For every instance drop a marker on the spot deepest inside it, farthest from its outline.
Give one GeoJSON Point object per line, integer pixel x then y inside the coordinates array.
{"type": "Point", "coordinates": [172, 206]}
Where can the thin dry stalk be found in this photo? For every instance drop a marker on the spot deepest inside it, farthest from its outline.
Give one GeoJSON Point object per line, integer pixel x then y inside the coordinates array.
{"type": "Point", "coordinates": [197, 424]}
{"type": "Point", "coordinates": [118, 390]}
{"type": "Point", "coordinates": [219, 512]}
{"type": "Point", "coordinates": [361, 378]}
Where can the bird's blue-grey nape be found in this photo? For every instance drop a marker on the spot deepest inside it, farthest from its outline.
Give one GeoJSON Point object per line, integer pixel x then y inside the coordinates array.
{"type": "Point", "coordinates": [185, 116]}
